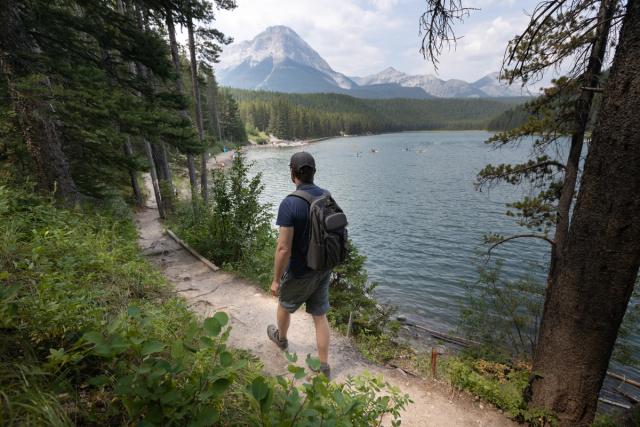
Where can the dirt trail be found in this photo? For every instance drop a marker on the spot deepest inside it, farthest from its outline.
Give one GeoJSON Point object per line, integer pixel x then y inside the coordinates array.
{"type": "Point", "coordinates": [251, 310]}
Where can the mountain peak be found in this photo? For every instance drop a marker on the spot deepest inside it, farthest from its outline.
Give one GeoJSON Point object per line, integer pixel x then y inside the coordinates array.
{"type": "Point", "coordinates": [278, 43]}
{"type": "Point", "coordinates": [279, 30]}
{"type": "Point", "coordinates": [279, 59]}
{"type": "Point", "coordinates": [389, 70]}
{"type": "Point", "coordinates": [278, 48]}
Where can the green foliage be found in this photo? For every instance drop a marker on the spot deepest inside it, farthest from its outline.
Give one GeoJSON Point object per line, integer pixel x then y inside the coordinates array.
{"type": "Point", "coordinates": [510, 119]}
{"type": "Point", "coordinates": [498, 384]}
{"type": "Point", "coordinates": [171, 381]}
{"type": "Point", "coordinates": [302, 116]}
{"type": "Point", "coordinates": [502, 315]}
{"type": "Point", "coordinates": [626, 350]}
{"type": "Point", "coordinates": [360, 401]}
{"type": "Point", "coordinates": [91, 337]}
{"type": "Point", "coordinates": [95, 99]}
{"type": "Point", "coordinates": [603, 420]}
{"type": "Point", "coordinates": [352, 293]}
{"type": "Point", "coordinates": [235, 225]}
{"type": "Point", "coordinates": [549, 120]}
{"type": "Point", "coordinates": [235, 231]}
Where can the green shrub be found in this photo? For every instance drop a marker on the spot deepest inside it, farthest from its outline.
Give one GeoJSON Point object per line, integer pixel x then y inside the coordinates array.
{"type": "Point", "coordinates": [235, 231]}
{"type": "Point", "coordinates": [226, 230]}
{"type": "Point", "coordinates": [498, 384]}
{"type": "Point", "coordinates": [352, 293]}
{"type": "Point", "coordinates": [502, 315]}
{"type": "Point", "coordinates": [91, 336]}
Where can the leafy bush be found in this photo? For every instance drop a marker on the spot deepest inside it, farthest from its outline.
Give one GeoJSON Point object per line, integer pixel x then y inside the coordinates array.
{"type": "Point", "coordinates": [226, 230]}
{"type": "Point", "coordinates": [502, 315]}
{"type": "Point", "coordinates": [498, 384]}
{"type": "Point", "coordinates": [352, 293]}
{"type": "Point", "coordinates": [91, 337]}
{"type": "Point", "coordinates": [235, 232]}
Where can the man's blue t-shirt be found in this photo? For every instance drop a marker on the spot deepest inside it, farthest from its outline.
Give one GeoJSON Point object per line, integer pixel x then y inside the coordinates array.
{"type": "Point", "coordinates": [294, 212]}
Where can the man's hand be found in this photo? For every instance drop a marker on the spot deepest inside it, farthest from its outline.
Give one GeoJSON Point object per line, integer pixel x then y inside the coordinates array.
{"type": "Point", "coordinates": [275, 288]}
{"type": "Point", "coordinates": [281, 257]}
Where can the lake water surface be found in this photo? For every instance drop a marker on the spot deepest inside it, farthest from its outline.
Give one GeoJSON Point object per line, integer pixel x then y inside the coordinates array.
{"type": "Point", "coordinates": [414, 212]}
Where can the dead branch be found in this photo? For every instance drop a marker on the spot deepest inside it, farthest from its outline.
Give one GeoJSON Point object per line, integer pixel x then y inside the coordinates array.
{"type": "Point", "coordinates": [436, 27]}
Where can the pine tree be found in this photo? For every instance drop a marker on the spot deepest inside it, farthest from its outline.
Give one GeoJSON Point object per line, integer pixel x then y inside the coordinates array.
{"type": "Point", "coordinates": [595, 252]}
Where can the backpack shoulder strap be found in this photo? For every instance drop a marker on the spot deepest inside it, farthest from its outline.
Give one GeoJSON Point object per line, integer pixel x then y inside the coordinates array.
{"type": "Point", "coordinates": [303, 195]}
{"type": "Point", "coordinates": [306, 196]}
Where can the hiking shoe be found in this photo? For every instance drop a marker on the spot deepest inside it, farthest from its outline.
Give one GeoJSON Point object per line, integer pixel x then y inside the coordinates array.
{"type": "Point", "coordinates": [274, 335]}
{"type": "Point", "coordinates": [325, 370]}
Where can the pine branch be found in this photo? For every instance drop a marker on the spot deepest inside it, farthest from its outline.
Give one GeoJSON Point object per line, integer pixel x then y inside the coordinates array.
{"type": "Point", "coordinates": [515, 174]}
{"type": "Point", "coordinates": [503, 240]}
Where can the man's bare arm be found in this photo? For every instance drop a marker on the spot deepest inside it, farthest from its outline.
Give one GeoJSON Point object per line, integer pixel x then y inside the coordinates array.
{"type": "Point", "coordinates": [282, 255]}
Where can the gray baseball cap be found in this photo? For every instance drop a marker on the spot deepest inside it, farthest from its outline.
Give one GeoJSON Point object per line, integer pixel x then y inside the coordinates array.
{"type": "Point", "coordinates": [300, 160]}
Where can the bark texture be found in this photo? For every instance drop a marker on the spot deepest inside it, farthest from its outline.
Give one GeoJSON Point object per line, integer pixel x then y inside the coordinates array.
{"type": "Point", "coordinates": [175, 58]}
{"type": "Point", "coordinates": [599, 263]}
{"type": "Point", "coordinates": [34, 113]}
{"type": "Point", "coordinates": [590, 78]}
{"type": "Point", "coordinates": [163, 172]}
{"type": "Point", "coordinates": [137, 194]}
{"type": "Point", "coordinates": [198, 105]}
{"type": "Point", "coordinates": [154, 179]}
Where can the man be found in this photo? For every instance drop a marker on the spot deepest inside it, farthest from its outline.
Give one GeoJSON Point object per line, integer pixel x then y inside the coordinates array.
{"type": "Point", "coordinates": [293, 281]}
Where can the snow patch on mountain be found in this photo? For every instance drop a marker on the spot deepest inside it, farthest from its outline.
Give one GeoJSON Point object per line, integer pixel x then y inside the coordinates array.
{"type": "Point", "coordinates": [279, 59]}
{"type": "Point", "coordinates": [280, 45]}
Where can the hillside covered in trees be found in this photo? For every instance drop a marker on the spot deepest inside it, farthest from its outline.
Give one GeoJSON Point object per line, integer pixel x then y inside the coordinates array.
{"type": "Point", "coordinates": [299, 116]}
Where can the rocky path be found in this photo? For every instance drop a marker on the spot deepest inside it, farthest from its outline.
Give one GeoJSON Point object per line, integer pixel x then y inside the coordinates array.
{"type": "Point", "coordinates": [251, 310]}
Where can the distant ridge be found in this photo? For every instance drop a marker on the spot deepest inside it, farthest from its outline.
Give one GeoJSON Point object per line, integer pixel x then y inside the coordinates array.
{"type": "Point", "coordinates": [278, 59]}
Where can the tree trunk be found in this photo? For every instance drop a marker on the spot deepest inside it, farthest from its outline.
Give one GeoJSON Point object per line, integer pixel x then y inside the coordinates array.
{"type": "Point", "coordinates": [214, 106]}
{"type": "Point", "coordinates": [590, 78]}
{"type": "Point", "coordinates": [34, 114]}
{"type": "Point", "coordinates": [156, 150]}
{"type": "Point", "coordinates": [601, 257]}
{"type": "Point", "coordinates": [175, 57]}
{"type": "Point", "coordinates": [165, 161]}
{"type": "Point", "coordinates": [198, 105]}
{"type": "Point", "coordinates": [163, 173]}
{"type": "Point", "coordinates": [137, 194]}
{"type": "Point", "coordinates": [154, 179]}
{"type": "Point", "coordinates": [128, 150]}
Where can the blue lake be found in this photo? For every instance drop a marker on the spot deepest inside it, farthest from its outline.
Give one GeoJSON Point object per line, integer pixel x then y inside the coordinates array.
{"type": "Point", "coordinates": [414, 212]}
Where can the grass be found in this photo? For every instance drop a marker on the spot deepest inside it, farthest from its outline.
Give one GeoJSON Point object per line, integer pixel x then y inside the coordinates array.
{"type": "Point", "coordinates": [93, 335]}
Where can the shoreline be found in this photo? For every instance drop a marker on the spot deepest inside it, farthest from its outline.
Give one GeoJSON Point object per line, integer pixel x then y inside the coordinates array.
{"type": "Point", "coordinates": [301, 143]}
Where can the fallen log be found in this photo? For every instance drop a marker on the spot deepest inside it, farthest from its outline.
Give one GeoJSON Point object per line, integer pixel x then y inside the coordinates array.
{"type": "Point", "coordinates": [192, 251]}
{"type": "Point", "coordinates": [445, 337]}
{"type": "Point", "coordinates": [624, 379]}
{"type": "Point", "coordinates": [612, 403]}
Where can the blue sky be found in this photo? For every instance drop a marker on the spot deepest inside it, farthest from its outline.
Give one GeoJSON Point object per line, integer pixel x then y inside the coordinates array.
{"type": "Point", "coordinates": [359, 37]}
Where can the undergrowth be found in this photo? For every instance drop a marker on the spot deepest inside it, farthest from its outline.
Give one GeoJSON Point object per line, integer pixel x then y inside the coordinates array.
{"type": "Point", "coordinates": [235, 231]}
{"type": "Point", "coordinates": [92, 335]}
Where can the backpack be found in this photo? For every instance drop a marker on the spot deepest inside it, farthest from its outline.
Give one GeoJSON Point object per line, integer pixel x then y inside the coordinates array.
{"type": "Point", "coordinates": [328, 237]}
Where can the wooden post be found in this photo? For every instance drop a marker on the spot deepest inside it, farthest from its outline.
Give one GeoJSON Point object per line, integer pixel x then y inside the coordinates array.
{"type": "Point", "coordinates": [350, 324]}
{"type": "Point", "coordinates": [434, 360]}
{"type": "Point", "coordinates": [435, 351]}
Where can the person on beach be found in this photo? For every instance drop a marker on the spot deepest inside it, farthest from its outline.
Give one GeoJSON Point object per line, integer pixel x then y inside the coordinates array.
{"type": "Point", "coordinates": [293, 281]}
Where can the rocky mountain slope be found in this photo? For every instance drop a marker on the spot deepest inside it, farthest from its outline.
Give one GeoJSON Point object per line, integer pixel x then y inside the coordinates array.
{"type": "Point", "coordinates": [278, 59]}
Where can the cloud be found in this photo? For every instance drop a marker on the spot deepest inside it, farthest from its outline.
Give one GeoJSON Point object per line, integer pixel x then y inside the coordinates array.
{"type": "Point", "coordinates": [384, 4]}
{"type": "Point", "coordinates": [359, 37]}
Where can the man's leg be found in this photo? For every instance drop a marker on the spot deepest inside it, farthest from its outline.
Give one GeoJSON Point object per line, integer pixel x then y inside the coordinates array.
{"type": "Point", "coordinates": [284, 319]}
{"type": "Point", "coordinates": [322, 337]}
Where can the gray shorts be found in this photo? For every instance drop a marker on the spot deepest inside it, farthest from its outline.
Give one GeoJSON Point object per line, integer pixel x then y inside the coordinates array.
{"type": "Point", "coordinates": [311, 288]}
